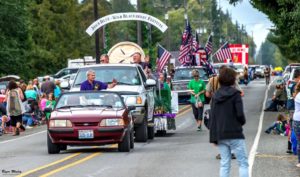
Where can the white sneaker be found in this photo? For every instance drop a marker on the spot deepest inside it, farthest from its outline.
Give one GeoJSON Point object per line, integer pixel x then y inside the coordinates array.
{"type": "Point", "coordinates": [298, 165]}
{"type": "Point", "coordinates": [28, 127]}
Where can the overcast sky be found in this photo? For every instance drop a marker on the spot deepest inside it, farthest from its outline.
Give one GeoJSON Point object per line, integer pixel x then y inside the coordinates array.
{"type": "Point", "coordinates": [253, 19]}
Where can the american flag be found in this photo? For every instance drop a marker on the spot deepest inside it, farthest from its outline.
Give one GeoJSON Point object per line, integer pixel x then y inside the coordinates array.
{"type": "Point", "coordinates": [205, 62]}
{"type": "Point", "coordinates": [209, 46]}
{"type": "Point", "coordinates": [196, 44]}
{"type": "Point", "coordinates": [223, 53]}
{"type": "Point", "coordinates": [186, 45]}
{"type": "Point", "coordinates": [162, 58]}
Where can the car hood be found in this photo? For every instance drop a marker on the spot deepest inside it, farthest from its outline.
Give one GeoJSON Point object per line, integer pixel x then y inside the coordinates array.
{"type": "Point", "coordinates": [89, 113]}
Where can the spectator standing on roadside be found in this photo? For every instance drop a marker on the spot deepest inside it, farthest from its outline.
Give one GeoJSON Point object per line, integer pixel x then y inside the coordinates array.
{"type": "Point", "coordinates": [57, 90]}
{"type": "Point", "coordinates": [36, 86]}
{"type": "Point", "coordinates": [104, 59]}
{"type": "Point", "coordinates": [226, 121]}
{"type": "Point", "coordinates": [296, 120]}
{"type": "Point", "coordinates": [14, 107]}
{"type": "Point", "coordinates": [30, 93]}
{"type": "Point", "coordinates": [48, 86]}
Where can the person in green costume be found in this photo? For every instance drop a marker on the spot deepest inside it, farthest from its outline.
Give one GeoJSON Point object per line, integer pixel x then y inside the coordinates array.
{"type": "Point", "coordinates": [197, 90]}
{"type": "Point", "coordinates": [165, 93]}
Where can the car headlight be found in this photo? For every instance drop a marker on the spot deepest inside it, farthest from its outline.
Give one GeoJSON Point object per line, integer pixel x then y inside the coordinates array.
{"type": "Point", "coordinates": [112, 122]}
{"type": "Point", "coordinates": [133, 100]}
{"type": "Point", "coordinates": [60, 123]}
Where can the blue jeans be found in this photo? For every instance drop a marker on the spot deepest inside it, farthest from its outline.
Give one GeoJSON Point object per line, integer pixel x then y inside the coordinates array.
{"type": "Point", "coordinates": [238, 147]}
{"type": "Point", "coordinates": [296, 126]}
{"type": "Point", "coordinates": [27, 119]}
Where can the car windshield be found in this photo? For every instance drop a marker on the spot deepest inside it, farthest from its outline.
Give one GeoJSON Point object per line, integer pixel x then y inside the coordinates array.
{"type": "Point", "coordinates": [89, 99]}
{"type": "Point", "coordinates": [186, 74]}
{"type": "Point", "coordinates": [123, 75]}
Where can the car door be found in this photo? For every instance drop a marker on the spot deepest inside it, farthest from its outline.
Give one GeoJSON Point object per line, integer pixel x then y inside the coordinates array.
{"type": "Point", "coordinates": [149, 94]}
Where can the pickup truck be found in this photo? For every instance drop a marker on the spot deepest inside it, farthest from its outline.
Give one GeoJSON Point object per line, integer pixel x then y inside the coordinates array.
{"type": "Point", "coordinates": [136, 90]}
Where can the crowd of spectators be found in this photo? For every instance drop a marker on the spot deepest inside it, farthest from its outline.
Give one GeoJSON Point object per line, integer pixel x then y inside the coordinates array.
{"type": "Point", "coordinates": [34, 98]}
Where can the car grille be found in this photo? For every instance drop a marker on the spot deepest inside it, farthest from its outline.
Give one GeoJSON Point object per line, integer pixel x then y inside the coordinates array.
{"type": "Point", "coordinates": [85, 124]}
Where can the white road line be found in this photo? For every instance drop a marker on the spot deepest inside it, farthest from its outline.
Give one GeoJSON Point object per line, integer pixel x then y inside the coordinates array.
{"type": "Point", "coordinates": [257, 137]}
{"type": "Point", "coordinates": [23, 137]}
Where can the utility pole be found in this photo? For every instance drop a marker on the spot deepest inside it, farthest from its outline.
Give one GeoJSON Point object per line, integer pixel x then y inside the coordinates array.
{"type": "Point", "coordinates": [185, 12]}
{"type": "Point", "coordinates": [96, 33]}
{"type": "Point", "coordinates": [139, 25]}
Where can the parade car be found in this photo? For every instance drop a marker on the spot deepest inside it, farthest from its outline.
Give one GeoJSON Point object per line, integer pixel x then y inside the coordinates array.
{"type": "Point", "coordinates": [182, 77]}
{"type": "Point", "coordinates": [135, 89]}
{"type": "Point", "coordinates": [90, 118]}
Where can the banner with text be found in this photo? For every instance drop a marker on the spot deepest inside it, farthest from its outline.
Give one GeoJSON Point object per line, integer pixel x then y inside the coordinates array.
{"type": "Point", "coordinates": [126, 16]}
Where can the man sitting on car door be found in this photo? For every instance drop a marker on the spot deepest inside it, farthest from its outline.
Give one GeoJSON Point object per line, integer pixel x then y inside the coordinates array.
{"type": "Point", "coordinates": [92, 84]}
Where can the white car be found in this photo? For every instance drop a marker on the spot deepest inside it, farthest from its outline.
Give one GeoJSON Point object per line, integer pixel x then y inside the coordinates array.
{"type": "Point", "coordinates": [133, 86]}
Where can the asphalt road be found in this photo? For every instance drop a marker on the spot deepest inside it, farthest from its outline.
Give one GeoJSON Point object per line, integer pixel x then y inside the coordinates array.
{"type": "Point", "coordinates": [181, 153]}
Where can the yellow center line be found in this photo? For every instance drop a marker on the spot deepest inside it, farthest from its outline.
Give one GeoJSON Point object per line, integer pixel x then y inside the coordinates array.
{"type": "Point", "coordinates": [71, 164]}
{"type": "Point", "coordinates": [76, 162]}
{"type": "Point", "coordinates": [50, 164]}
{"type": "Point", "coordinates": [180, 114]}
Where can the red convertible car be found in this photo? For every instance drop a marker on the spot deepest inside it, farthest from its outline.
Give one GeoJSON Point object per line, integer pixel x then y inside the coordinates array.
{"type": "Point", "coordinates": [90, 118]}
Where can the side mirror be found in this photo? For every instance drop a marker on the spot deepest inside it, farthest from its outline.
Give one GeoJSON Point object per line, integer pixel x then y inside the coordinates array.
{"type": "Point", "coordinates": [150, 83]}
{"type": "Point", "coordinates": [131, 108]}
{"type": "Point", "coordinates": [48, 110]}
{"type": "Point", "coordinates": [65, 85]}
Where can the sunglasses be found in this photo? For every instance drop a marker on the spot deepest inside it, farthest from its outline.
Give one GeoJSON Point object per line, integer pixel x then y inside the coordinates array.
{"type": "Point", "coordinates": [196, 76]}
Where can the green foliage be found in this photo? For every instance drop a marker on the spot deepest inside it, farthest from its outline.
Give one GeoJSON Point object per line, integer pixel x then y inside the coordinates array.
{"type": "Point", "coordinates": [37, 37]}
{"type": "Point", "coordinates": [269, 54]}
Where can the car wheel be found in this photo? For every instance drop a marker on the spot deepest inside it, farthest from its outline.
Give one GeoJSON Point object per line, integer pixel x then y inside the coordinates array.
{"type": "Point", "coordinates": [132, 139]}
{"type": "Point", "coordinates": [63, 147]}
{"type": "Point", "coordinates": [124, 146]}
{"type": "Point", "coordinates": [52, 148]}
{"type": "Point", "coordinates": [162, 132]}
{"type": "Point", "coordinates": [151, 133]}
{"type": "Point", "coordinates": [141, 133]}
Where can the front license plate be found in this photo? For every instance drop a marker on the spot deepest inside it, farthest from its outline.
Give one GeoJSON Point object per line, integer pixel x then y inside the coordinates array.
{"type": "Point", "coordinates": [85, 134]}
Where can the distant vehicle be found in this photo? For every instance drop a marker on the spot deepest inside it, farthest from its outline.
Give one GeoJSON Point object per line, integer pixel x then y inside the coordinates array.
{"type": "Point", "coordinates": [290, 81]}
{"type": "Point", "coordinates": [182, 76]}
{"type": "Point", "coordinates": [240, 70]}
{"type": "Point", "coordinates": [259, 72]}
{"type": "Point", "coordinates": [89, 119]}
{"type": "Point", "coordinates": [64, 72]}
{"type": "Point", "coordinates": [291, 66]}
{"type": "Point", "coordinates": [77, 63]}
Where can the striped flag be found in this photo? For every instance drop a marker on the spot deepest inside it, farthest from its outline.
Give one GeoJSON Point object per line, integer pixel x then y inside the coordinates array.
{"type": "Point", "coordinates": [209, 45]}
{"type": "Point", "coordinates": [196, 44]}
{"type": "Point", "coordinates": [223, 53]}
{"type": "Point", "coordinates": [186, 45]}
{"type": "Point", "coordinates": [163, 57]}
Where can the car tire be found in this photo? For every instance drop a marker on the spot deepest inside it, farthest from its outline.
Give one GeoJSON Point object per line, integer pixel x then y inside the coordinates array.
{"type": "Point", "coordinates": [161, 132]}
{"type": "Point", "coordinates": [63, 147]}
{"type": "Point", "coordinates": [52, 148]}
{"type": "Point", "coordinates": [141, 133]}
{"type": "Point", "coordinates": [132, 139]}
{"type": "Point", "coordinates": [124, 146]}
{"type": "Point", "coordinates": [151, 133]}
